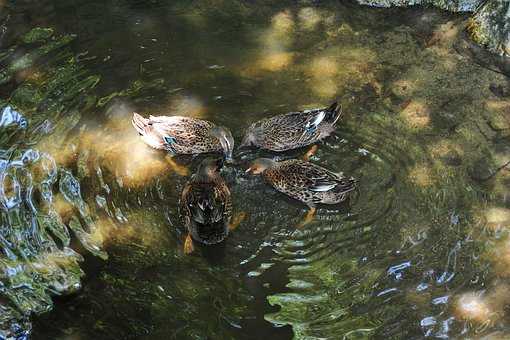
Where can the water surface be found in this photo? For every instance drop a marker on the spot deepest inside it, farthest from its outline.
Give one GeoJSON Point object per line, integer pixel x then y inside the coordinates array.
{"type": "Point", "coordinates": [420, 250]}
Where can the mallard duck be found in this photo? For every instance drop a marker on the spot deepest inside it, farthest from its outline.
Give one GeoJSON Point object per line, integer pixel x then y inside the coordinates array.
{"type": "Point", "coordinates": [292, 130]}
{"type": "Point", "coordinates": [184, 135]}
{"type": "Point", "coordinates": [206, 205]}
{"type": "Point", "coordinates": [304, 181]}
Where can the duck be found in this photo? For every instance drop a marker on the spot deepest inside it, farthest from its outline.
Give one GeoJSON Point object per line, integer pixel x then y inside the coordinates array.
{"type": "Point", "coordinates": [184, 135]}
{"type": "Point", "coordinates": [292, 130]}
{"type": "Point", "coordinates": [304, 181]}
{"type": "Point", "coordinates": [206, 205]}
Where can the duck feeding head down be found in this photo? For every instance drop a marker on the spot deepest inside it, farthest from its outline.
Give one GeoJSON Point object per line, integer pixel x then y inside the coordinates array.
{"type": "Point", "coordinates": [226, 140]}
{"type": "Point", "coordinates": [206, 205]}
{"type": "Point", "coordinates": [209, 167]}
{"type": "Point", "coordinates": [260, 165]}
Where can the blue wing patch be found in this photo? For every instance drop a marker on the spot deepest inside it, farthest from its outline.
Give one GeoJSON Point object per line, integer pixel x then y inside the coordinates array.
{"type": "Point", "coordinates": [169, 140]}
{"type": "Point", "coordinates": [314, 121]}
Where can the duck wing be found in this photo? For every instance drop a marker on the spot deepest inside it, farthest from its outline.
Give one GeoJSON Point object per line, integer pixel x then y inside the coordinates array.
{"type": "Point", "coordinates": [319, 179]}
{"type": "Point", "coordinates": [287, 131]}
{"type": "Point", "coordinates": [297, 129]}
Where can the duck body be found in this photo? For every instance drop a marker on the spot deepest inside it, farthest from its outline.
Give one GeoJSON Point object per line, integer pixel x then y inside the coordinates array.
{"type": "Point", "coordinates": [183, 135]}
{"type": "Point", "coordinates": [206, 204]}
{"type": "Point", "coordinates": [292, 130]}
{"type": "Point", "coordinates": [305, 181]}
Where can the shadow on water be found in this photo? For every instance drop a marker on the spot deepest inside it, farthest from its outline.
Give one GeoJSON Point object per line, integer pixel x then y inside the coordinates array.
{"type": "Point", "coordinates": [89, 213]}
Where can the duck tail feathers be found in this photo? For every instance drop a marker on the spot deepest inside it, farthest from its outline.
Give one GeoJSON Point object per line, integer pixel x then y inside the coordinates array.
{"type": "Point", "coordinates": [140, 123]}
{"type": "Point", "coordinates": [333, 113]}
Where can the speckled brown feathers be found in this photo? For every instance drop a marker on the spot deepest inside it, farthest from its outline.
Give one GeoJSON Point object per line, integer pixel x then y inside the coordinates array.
{"type": "Point", "coordinates": [206, 204]}
{"type": "Point", "coordinates": [179, 135]}
{"type": "Point", "coordinates": [308, 183]}
{"type": "Point", "coordinates": [292, 130]}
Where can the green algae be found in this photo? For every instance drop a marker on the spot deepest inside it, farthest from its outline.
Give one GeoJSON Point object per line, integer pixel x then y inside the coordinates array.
{"type": "Point", "coordinates": [27, 60]}
{"type": "Point", "coordinates": [38, 34]}
{"type": "Point", "coordinates": [136, 88]}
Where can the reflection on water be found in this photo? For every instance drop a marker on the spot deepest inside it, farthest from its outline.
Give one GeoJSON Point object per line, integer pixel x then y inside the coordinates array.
{"type": "Point", "coordinates": [420, 250]}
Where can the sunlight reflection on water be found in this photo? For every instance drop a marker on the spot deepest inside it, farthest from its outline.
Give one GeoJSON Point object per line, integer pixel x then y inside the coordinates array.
{"type": "Point", "coordinates": [420, 250]}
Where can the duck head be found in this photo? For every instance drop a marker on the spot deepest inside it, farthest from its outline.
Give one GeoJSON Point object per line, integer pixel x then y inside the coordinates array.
{"type": "Point", "coordinates": [210, 167]}
{"type": "Point", "coordinates": [260, 165]}
{"type": "Point", "coordinates": [226, 140]}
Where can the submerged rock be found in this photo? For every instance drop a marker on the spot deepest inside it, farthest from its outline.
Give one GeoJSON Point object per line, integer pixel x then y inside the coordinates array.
{"type": "Point", "coordinates": [450, 5]}
{"type": "Point", "coordinates": [488, 26]}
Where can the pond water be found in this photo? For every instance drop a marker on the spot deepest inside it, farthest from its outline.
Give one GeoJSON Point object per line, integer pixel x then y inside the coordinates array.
{"type": "Point", "coordinates": [91, 238]}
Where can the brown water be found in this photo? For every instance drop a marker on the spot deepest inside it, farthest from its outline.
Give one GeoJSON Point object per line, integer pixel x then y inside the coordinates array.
{"type": "Point", "coordinates": [421, 249]}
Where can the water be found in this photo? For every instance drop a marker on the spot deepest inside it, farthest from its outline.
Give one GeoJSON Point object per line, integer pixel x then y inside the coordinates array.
{"type": "Point", "coordinates": [90, 229]}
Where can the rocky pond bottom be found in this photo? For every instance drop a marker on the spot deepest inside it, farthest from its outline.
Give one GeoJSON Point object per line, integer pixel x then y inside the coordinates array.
{"type": "Point", "coordinates": [90, 235]}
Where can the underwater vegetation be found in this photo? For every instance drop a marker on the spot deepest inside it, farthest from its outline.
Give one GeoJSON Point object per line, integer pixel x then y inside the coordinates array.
{"type": "Point", "coordinates": [487, 25]}
{"type": "Point", "coordinates": [89, 213]}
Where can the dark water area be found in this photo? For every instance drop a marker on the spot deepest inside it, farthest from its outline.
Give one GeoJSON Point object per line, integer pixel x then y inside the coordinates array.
{"type": "Point", "coordinates": [91, 237]}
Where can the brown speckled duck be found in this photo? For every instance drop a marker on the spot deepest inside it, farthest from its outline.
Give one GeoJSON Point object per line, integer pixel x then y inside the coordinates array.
{"type": "Point", "coordinates": [304, 181]}
{"type": "Point", "coordinates": [206, 205]}
{"type": "Point", "coordinates": [184, 135]}
{"type": "Point", "coordinates": [292, 130]}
